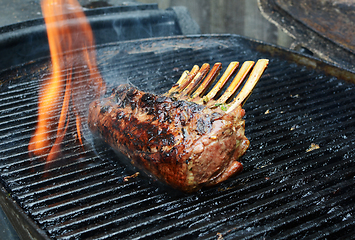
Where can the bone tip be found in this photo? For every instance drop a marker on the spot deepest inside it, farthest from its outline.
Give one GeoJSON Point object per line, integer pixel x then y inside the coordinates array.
{"type": "Point", "coordinates": [264, 61]}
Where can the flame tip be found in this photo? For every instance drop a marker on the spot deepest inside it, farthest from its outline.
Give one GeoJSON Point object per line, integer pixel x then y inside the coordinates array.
{"type": "Point", "coordinates": [63, 39]}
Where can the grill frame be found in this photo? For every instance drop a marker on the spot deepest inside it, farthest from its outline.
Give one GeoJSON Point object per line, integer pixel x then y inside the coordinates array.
{"type": "Point", "coordinates": [147, 46]}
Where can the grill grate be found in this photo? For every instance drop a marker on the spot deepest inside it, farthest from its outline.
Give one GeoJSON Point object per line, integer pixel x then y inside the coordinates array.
{"type": "Point", "coordinates": [284, 191]}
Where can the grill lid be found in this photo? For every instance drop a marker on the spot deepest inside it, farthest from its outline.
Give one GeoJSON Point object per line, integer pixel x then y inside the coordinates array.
{"type": "Point", "coordinates": [323, 27]}
{"type": "Point", "coordinates": [284, 192]}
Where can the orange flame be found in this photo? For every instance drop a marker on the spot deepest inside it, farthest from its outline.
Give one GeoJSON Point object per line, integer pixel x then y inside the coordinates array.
{"type": "Point", "coordinates": [71, 44]}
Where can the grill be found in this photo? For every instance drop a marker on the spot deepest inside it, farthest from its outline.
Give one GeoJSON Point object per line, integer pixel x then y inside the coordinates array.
{"type": "Point", "coordinates": [285, 191]}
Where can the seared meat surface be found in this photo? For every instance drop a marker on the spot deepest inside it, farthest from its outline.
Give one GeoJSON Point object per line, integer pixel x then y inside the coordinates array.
{"type": "Point", "coordinates": [181, 143]}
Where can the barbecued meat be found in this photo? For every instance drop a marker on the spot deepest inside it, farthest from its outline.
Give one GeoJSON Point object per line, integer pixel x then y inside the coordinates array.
{"type": "Point", "coordinates": [184, 144]}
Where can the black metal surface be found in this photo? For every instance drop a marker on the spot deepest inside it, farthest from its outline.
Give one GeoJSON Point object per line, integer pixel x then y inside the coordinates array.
{"type": "Point", "coordinates": [7, 231]}
{"type": "Point", "coordinates": [25, 41]}
{"type": "Point", "coordinates": [284, 191]}
{"type": "Point", "coordinates": [322, 26]}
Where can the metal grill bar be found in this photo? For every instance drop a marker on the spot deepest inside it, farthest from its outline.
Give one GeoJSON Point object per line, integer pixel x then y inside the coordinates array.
{"type": "Point", "coordinates": [255, 206]}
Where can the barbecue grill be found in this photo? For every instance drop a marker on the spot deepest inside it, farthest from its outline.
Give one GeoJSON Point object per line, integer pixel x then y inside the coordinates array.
{"type": "Point", "coordinates": [287, 189]}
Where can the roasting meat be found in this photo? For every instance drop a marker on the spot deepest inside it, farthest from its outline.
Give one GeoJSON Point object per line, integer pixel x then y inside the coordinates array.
{"type": "Point", "coordinates": [184, 144]}
{"type": "Point", "coordinates": [184, 138]}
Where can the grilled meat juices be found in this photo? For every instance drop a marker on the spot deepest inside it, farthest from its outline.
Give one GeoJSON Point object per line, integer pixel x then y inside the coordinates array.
{"type": "Point", "coordinates": [184, 144]}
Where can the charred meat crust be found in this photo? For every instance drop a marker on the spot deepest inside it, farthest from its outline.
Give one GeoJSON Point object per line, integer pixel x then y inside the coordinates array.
{"type": "Point", "coordinates": [184, 144]}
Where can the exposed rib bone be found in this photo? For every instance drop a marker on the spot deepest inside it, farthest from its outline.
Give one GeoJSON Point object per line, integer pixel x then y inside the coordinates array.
{"type": "Point", "coordinates": [195, 81]}
{"type": "Point", "coordinates": [178, 83]}
{"type": "Point", "coordinates": [211, 77]}
{"type": "Point", "coordinates": [237, 81]}
{"type": "Point", "coordinates": [247, 89]}
{"type": "Point", "coordinates": [183, 81]}
{"type": "Point", "coordinates": [189, 81]}
{"type": "Point", "coordinates": [222, 81]}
